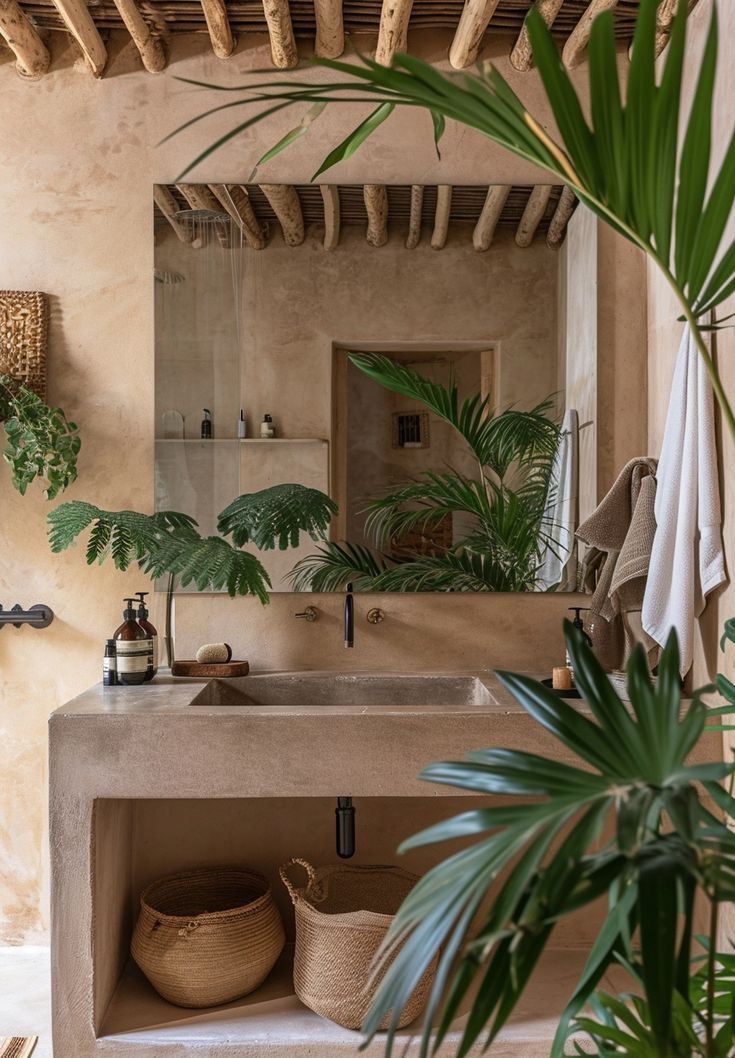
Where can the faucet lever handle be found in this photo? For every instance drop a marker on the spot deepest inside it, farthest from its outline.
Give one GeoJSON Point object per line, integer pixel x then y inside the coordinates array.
{"type": "Point", "coordinates": [310, 614]}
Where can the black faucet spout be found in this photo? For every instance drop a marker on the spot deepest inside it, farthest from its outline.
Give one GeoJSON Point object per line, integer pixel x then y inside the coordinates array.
{"type": "Point", "coordinates": [349, 618]}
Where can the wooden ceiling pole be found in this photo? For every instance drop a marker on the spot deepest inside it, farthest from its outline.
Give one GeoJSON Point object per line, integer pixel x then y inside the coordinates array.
{"type": "Point", "coordinates": [199, 196]}
{"type": "Point", "coordinates": [32, 58]}
{"type": "Point", "coordinates": [376, 204]}
{"type": "Point", "coordinates": [473, 22]}
{"type": "Point", "coordinates": [538, 200]}
{"type": "Point", "coordinates": [482, 236]}
{"type": "Point", "coordinates": [77, 19]}
{"type": "Point", "coordinates": [283, 43]}
{"type": "Point", "coordinates": [218, 24]}
{"type": "Point", "coordinates": [393, 31]}
{"type": "Point", "coordinates": [167, 205]}
{"type": "Point", "coordinates": [235, 199]}
{"type": "Point", "coordinates": [285, 204]}
{"type": "Point", "coordinates": [151, 48]}
{"type": "Point", "coordinates": [441, 216]}
{"type": "Point", "coordinates": [576, 45]}
{"type": "Point", "coordinates": [560, 220]}
{"type": "Point", "coordinates": [330, 30]}
{"type": "Point", "coordinates": [414, 220]}
{"type": "Point", "coordinates": [521, 58]}
{"type": "Point", "coordinates": [330, 201]}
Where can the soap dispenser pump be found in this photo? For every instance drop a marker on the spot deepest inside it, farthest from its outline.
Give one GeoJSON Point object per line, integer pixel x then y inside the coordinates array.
{"type": "Point", "coordinates": [152, 632]}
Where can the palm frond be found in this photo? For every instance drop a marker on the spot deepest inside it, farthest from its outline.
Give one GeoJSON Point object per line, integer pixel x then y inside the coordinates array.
{"type": "Point", "coordinates": [459, 569]}
{"type": "Point", "coordinates": [125, 535]}
{"type": "Point", "coordinates": [211, 564]}
{"type": "Point", "coordinates": [277, 516]}
{"type": "Point", "coordinates": [335, 565]}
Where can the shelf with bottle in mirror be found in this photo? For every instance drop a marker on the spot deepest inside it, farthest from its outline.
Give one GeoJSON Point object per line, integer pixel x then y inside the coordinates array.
{"type": "Point", "coordinates": [241, 440]}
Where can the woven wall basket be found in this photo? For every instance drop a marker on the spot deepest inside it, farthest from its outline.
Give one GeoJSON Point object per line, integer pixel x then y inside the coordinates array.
{"type": "Point", "coordinates": [207, 936]}
{"type": "Point", "coordinates": [342, 916]}
{"type": "Point", "coordinates": [23, 337]}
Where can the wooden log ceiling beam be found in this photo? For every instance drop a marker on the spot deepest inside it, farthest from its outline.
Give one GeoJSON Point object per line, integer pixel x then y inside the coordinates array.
{"type": "Point", "coordinates": [376, 204]}
{"type": "Point", "coordinates": [521, 58]}
{"type": "Point", "coordinates": [31, 54]}
{"type": "Point", "coordinates": [218, 24]}
{"type": "Point", "coordinates": [414, 220]}
{"type": "Point", "coordinates": [482, 236]}
{"type": "Point", "coordinates": [330, 30]}
{"type": "Point", "coordinates": [236, 201]}
{"type": "Point", "coordinates": [283, 43]}
{"type": "Point", "coordinates": [473, 22]}
{"type": "Point", "coordinates": [330, 201]}
{"type": "Point", "coordinates": [285, 204]}
{"type": "Point", "coordinates": [560, 220]}
{"type": "Point", "coordinates": [575, 48]}
{"type": "Point", "coordinates": [77, 19]}
{"type": "Point", "coordinates": [200, 197]}
{"type": "Point", "coordinates": [169, 208]}
{"type": "Point", "coordinates": [538, 200]}
{"type": "Point", "coordinates": [441, 216]}
{"type": "Point", "coordinates": [393, 30]}
{"type": "Point", "coordinates": [150, 48]}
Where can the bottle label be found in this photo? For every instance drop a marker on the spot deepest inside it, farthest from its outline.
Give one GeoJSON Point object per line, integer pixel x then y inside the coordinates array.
{"type": "Point", "coordinates": [133, 659]}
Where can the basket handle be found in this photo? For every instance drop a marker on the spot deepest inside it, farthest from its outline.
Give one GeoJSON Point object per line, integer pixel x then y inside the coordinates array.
{"type": "Point", "coordinates": [283, 871]}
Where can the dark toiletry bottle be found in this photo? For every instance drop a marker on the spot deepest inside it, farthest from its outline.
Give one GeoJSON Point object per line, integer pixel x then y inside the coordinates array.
{"type": "Point", "coordinates": [267, 429]}
{"type": "Point", "coordinates": [578, 623]}
{"type": "Point", "coordinates": [133, 647]}
{"type": "Point", "coordinates": [151, 631]}
{"type": "Point", "coordinates": [109, 664]}
{"type": "Point", "coordinates": [207, 431]}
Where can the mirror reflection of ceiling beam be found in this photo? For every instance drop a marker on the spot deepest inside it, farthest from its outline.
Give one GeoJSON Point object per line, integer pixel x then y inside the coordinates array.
{"type": "Point", "coordinates": [235, 199]}
{"type": "Point", "coordinates": [200, 198]}
{"type": "Point", "coordinates": [169, 207]}
{"type": "Point", "coordinates": [521, 58]}
{"type": "Point", "coordinates": [497, 196]}
{"type": "Point", "coordinates": [538, 200]}
{"type": "Point", "coordinates": [441, 216]}
{"type": "Point", "coordinates": [376, 204]}
{"type": "Point", "coordinates": [285, 204]}
{"type": "Point", "coordinates": [330, 201]}
{"type": "Point", "coordinates": [414, 218]}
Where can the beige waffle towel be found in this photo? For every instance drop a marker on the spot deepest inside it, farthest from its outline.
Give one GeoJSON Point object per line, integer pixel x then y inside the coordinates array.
{"type": "Point", "coordinates": [622, 528]}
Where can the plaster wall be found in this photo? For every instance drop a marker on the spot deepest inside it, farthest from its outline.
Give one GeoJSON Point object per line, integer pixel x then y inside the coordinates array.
{"type": "Point", "coordinates": [78, 158]}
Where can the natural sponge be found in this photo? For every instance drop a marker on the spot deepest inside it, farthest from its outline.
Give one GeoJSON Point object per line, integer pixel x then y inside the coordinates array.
{"type": "Point", "coordinates": [211, 653]}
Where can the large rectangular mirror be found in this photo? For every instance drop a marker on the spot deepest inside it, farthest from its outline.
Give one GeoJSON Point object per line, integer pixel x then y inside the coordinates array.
{"type": "Point", "coordinates": [424, 355]}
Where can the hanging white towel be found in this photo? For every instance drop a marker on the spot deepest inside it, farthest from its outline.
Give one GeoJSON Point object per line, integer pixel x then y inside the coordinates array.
{"type": "Point", "coordinates": [687, 560]}
{"type": "Point", "coordinates": [559, 559]}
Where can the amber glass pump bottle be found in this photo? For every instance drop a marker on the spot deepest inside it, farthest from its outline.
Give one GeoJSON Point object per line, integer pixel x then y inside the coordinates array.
{"type": "Point", "coordinates": [151, 631]}
{"type": "Point", "coordinates": [133, 647]}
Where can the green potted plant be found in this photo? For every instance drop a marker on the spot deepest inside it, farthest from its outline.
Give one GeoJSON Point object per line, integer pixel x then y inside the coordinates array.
{"type": "Point", "coordinates": [40, 442]}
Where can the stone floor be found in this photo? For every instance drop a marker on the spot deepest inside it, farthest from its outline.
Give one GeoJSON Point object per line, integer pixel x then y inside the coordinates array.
{"type": "Point", "coordinates": [25, 995]}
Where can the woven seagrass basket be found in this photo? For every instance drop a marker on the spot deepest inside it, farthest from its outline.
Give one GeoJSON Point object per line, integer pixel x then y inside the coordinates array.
{"type": "Point", "coordinates": [207, 936]}
{"type": "Point", "coordinates": [342, 916]}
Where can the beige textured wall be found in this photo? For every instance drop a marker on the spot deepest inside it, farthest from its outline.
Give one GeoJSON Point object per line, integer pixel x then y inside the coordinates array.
{"type": "Point", "coordinates": [77, 164]}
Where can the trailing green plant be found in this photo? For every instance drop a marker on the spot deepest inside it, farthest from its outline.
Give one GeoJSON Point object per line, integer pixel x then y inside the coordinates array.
{"type": "Point", "coordinates": [40, 442]}
{"type": "Point", "coordinates": [667, 850]}
{"type": "Point", "coordinates": [503, 505]}
{"type": "Point", "coordinates": [168, 542]}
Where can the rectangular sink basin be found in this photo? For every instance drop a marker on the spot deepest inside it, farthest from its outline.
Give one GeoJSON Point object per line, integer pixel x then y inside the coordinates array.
{"type": "Point", "coordinates": [320, 689]}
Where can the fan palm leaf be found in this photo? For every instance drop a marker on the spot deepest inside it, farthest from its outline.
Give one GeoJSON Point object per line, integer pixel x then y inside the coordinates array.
{"type": "Point", "coordinates": [334, 565]}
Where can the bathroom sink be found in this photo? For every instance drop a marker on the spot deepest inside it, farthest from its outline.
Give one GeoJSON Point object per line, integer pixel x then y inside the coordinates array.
{"type": "Point", "coordinates": [319, 689]}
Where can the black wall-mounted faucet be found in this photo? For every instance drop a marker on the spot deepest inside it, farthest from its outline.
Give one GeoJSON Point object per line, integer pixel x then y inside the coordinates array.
{"type": "Point", "coordinates": [349, 618]}
{"type": "Point", "coordinates": [345, 816]}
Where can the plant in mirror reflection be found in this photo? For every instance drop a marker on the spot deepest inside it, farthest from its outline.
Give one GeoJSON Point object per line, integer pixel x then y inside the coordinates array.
{"type": "Point", "coordinates": [503, 505]}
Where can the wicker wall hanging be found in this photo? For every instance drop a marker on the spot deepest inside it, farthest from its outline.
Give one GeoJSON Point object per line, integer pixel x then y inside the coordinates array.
{"type": "Point", "coordinates": [23, 337]}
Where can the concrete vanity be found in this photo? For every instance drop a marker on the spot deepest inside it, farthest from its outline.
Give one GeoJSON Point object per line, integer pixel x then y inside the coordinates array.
{"type": "Point", "coordinates": [145, 781]}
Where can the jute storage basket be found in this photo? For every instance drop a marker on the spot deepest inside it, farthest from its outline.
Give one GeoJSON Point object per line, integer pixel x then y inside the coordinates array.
{"type": "Point", "coordinates": [207, 936]}
{"type": "Point", "coordinates": [342, 916]}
